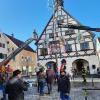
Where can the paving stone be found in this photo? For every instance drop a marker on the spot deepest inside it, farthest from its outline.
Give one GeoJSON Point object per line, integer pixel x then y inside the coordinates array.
{"type": "Point", "coordinates": [76, 92]}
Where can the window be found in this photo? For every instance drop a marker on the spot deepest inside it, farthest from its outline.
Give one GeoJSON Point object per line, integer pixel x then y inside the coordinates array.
{"type": "Point", "coordinates": [68, 48]}
{"type": "Point", "coordinates": [54, 47]}
{"type": "Point", "coordinates": [30, 58]}
{"type": "Point", "coordinates": [70, 31]}
{"type": "Point", "coordinates": [56, 34]}
{"type": "Point", "coordinates": [25, 58]}
{"type": "Point", "coordinates": [0, 35]}
{"type": "Point", "coordinates": [84, 46]}
{"type": "Point", "coordinates": [0, 44]}
{"type": "Point", "coordinates": [1, 56]}
{"type": "Point", "coordinates": [51, 35]}
{"type": "Point", "coordinates": [43, 51]}
{"type": "Point", "coordinates": [3, 45]}
{"type": "Point", "coordinates": [8, 49]}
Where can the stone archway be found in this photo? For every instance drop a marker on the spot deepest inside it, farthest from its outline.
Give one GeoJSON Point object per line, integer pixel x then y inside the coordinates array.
{"type": "Point", "coordinates": [52, 64]}
{"type": "Point", "coordinates": [78, 64]}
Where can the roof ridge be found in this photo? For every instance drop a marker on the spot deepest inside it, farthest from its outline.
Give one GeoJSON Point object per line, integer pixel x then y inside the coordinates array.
{"type": "Point", "coordinates": [18, 42]}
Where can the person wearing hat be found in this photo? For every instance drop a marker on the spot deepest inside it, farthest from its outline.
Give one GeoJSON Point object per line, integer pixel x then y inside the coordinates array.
{"type": "Point", "coordinates": [16, 86]}
{"type": "Point", "coordinates": [63, 65]}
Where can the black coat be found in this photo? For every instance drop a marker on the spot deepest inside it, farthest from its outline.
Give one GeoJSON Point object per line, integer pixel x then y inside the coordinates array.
{"type": "Point", "coordinates": [64, 84]}
{"type": "Point", "coordinates": [15, 89]}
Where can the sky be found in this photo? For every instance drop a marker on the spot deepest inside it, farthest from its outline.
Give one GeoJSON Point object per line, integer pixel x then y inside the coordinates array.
{"type": "Point", "coordinates": [21, 17]}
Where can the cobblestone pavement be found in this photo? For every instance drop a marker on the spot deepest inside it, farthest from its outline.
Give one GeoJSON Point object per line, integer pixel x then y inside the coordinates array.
{"type": "Point", "coordinates": [76, 92]}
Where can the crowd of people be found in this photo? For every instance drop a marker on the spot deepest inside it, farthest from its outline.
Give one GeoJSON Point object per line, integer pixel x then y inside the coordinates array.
{"type": "Point", "coordinates": [14, 87]}
{"type": "Point", "coordinates": [50, 77]}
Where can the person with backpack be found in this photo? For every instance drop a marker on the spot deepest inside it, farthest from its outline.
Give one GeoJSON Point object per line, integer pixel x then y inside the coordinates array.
{"type": "Point", "coordinates": [50, 76]}
{"type": "Point", "coordinates": [41, 81]}
{"type": "Point", "coordinates": [64, 86]}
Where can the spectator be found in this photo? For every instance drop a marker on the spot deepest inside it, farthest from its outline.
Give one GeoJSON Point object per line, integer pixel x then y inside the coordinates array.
{"type": "Point", "coordinates": [16, 86]}
{"type": "Point", "coordinates": [41, 81]}
{"type": "Point", "coordinates": [50, 76]}
{"type": "Point", "coordinates": [63, 65]}
{"type": "Point", "coordinates": [64, 86]}
{"type": "Point", "coordinates": [84, 74]}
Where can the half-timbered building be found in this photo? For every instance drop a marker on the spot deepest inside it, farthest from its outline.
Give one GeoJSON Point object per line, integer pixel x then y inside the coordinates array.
{"type": "Point", "coordinates": [57, 43]}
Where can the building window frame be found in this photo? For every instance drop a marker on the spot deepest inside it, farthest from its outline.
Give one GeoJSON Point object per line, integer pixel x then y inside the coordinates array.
{"type": "Point", "coordinates": [51, 35]}
{"type": "Point", "coordinates": [84, 46]}
{"type": "Point", "coordinates": [43, 51]}
{"type": "Point", "coordinates": [68, 47]}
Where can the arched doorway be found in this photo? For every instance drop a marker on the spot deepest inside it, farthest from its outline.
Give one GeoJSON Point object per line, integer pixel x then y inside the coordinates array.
{"type": "Point", "coordinates": [52, 64]}
{"type": "Point", "coordinates": [78, 64]}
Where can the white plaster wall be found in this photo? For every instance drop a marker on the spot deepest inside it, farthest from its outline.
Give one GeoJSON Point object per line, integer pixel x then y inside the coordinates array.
{"type": "Point", "coordinates": [98, 50]}
{"type": "Point", "coordinates": [3, 40]}
{"type": "Point", "coordinates": [93, 60]}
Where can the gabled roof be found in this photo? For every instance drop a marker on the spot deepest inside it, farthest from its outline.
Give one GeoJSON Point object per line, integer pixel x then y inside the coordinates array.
{"type": "Point", "coordinates": [19, 42]}
{"type": "Point", "coordinates": [44, 30]}
{"type": "Point", "coordinates": [51, 19]}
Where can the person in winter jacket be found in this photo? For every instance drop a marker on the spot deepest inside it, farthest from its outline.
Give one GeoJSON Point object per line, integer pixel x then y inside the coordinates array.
{"type": "Point", "coordinates": [41, 81]}
{"type": "Point", "coordinates": [16, 86]}
{"type": "Point", "coordinates": [50, 77]}
{"type": "Point", "coordinates": [63, 65]}
{"type": "Point", "coordinates": [64, 86]}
